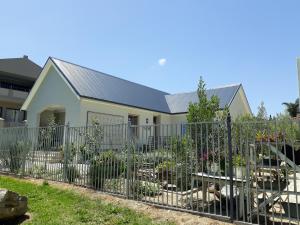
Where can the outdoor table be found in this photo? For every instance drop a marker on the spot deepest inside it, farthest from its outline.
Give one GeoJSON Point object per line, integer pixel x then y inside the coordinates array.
{"type": "Point", "coordinates": [221, 180]}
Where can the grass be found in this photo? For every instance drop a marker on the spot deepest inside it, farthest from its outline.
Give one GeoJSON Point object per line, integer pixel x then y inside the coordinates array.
{"type": "Point", "coordinates": [52, 206]}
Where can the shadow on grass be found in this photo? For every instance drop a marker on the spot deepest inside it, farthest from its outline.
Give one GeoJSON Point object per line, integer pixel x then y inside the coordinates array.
{"type": "Point", "coordinates": [15, 221]}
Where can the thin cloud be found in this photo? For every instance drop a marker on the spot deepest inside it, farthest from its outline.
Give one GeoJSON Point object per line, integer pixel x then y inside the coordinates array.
{"type": "Point", "coordinates": [162, 61]}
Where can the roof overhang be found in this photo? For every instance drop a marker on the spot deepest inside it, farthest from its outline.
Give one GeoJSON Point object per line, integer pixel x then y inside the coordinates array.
{"type": "Point", "coordinates": [49, 64]}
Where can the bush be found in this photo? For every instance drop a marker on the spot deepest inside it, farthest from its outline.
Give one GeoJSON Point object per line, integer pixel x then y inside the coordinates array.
{"type": "Point", "coordinates": [142, 188]}
{"type": "Point", "coordinates": [178, 174]}
{"type": "Point", "coordinates": [85, 153]}
{"type": "Point", "coordinates": [166, 170]}
{"type": "Point", "coordinates": [45, 183]}
{"type": "Point", "coordinates": [37, 171]}
{"type": "Point", "coordinates": [184, 176]}
{"type": "Point", "coordinates": [72, 173]}
{"type": "Point", "coordinates": [238, 160]}
{"type": "Point", "coordinates": [17, 155]}
{"type": "Point", "coordinates": [107, 165]}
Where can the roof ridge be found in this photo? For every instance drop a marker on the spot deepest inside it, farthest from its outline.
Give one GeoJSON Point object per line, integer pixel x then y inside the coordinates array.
{"type": "Point", "coordinates": [209, 89]}
{"type": "Point", "coordinates": [226, 86]}
{"type": "Point", "coordinates": [106, 74]}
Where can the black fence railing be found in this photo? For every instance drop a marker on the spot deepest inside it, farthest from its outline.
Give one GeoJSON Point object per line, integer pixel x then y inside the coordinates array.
{"type": "Point", "coordinates": [248, 171]}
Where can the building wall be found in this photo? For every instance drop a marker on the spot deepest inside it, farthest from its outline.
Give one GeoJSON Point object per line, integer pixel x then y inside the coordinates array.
{"type": "Point", "coordinates": [239, 106]}
{"type": "Point", "coordinates": [87, 105]}
{"type": "Point", "coordinates": [144, 129]}
{"type": "Point", "coordinates": [54, 92]}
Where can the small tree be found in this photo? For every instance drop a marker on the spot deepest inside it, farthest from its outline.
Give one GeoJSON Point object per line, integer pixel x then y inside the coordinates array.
{"type": "Point", "coordinates": [262, 112]}
{"type": "Point", "coordinates": [205, 109]}
{"type": "Point", "coordinates": [93, 139]}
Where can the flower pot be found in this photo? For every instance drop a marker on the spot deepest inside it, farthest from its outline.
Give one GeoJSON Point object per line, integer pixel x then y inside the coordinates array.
{"type": "Point", "coordinates": [239, 172]}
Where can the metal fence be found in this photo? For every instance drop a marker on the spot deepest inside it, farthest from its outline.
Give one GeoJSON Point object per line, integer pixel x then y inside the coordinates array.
{"type": "Point", "coordinates": [247, 171]}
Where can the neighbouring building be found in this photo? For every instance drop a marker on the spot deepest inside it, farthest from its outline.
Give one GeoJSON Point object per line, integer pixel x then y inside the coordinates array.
{"type": "Point", "coordinates": [17, 76]}
{"type": "Point", "coordinates": [77, 95]}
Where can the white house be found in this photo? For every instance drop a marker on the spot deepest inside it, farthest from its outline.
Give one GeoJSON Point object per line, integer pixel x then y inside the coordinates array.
{"type": "Point", "coordinates": [75, 95]}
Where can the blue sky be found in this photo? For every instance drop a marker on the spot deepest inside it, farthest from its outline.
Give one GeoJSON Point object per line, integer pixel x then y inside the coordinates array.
{"type": "Point", "coordinates": [255, 42]}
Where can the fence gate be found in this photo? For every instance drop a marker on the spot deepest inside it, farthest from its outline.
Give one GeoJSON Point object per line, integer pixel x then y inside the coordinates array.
{"type": "Point", "coordinates": [239, 171]}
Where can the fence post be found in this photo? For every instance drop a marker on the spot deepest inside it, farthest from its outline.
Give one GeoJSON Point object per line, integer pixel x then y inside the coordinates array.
{"type": "Point", "coordinates": [24, 134]}
{"type": "Point", "coordinates": [66, 150]}
{"type": "Point", "coordinates": [128, 161]}
{"type": "Point", "coordinates": [230, 165]}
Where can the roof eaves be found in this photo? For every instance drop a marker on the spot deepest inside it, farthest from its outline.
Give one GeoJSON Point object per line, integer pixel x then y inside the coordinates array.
{"type": "Point", "coordinates": [123, 104]}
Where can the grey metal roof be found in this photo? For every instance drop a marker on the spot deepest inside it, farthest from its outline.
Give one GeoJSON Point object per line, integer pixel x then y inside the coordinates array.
{"type": "Point", "coordinates": [93, 84]}
{"type": "Point", "coordinates": [178, 103]}
{"type": "Point", "coordinates": [23, 67]}
{"type": "Point", "coordinates": [96, 85]}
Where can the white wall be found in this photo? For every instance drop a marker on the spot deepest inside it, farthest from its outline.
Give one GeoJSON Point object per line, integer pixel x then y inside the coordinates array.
{"type": "Point", "coordinates": [54, 92]}
{"type": "Point", "coordinates": [239, 106]}
{"type": "Point", "coordinates": [88, 105]}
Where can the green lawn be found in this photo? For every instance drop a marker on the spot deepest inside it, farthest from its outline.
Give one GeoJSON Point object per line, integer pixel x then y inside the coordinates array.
{"type": "Point", "coordinates": [50, 205]}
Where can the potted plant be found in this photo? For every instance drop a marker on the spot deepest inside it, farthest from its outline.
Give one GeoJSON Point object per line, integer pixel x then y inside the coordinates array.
{"type": "Point", "coordinates": [213, 166]}
{"type": "Point", "coordinates": [239, 164]}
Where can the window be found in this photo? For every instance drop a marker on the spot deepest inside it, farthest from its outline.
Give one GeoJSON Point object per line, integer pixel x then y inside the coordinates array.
{"type": "Point", "coordinates": [13, 115]}
{"type": "Point", "coordinates": [133, 121]}
{"type": "Point", "coordinates": [183, 129]}
{"type": "Point", "coordinates": [17, 87]}
{"type": "Point", "coordinates": [24, 115]}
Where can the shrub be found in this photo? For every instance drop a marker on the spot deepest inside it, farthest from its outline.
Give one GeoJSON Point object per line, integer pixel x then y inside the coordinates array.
{"type": "Point", "coordinates": [184, 172]}
{"type": "Point", "coordinates": [107, 165]}
{"type": "Point", "coordinates": [93, 139]}
{"type": "Point", "coordinates": [71, 153]}
{"type": "Point", "coordinates": [37, 171]}
{"type": "Point", "coordinates": [85, 153]}
{"type": "Point", "coordinates": [179, 174]}
{"type": "Point", "coordinates": [45, 183]}
{"type": "Point", "coordinates": [238, 160]}
{"type": "Point", "coordinates": [142, 188]}
{"type": "Point", "coordinates": [72, 173]}
{"type": "Point", "coordinates": [166, 170]}
{"type": "Point", "coordinates": [17, 155]}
